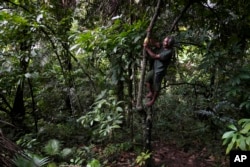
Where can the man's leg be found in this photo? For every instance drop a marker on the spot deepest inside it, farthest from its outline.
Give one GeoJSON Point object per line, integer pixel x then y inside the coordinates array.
{"type": "Point", "coordinates": [149, 87]}
{"type": "Point", "coordinates": [149, 83]}
{"type": "Point", "coordinates": [156, 88]}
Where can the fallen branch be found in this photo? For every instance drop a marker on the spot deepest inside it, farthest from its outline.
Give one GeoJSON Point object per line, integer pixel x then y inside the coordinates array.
{"type": "Point", "coordinates": [8, 150]}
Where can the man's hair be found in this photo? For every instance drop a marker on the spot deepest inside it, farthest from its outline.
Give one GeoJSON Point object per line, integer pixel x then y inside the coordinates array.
{"type": "Point", "coordinates": [171, 41]}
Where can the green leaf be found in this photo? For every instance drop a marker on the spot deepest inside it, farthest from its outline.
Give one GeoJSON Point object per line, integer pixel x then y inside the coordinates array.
{"type": "Point", "coordinates": [245, 104]}
{"type": "Point", "coordinates": [248, 140]}
{"type": "Point", "coordinates": [244, 76]}
{"type": "Point", "coordinates": [233, 127]}
{"type": "Point", "coordinates": [225, 141]}
{"type": "Point", "coordinates": [245, 129]}
{"type": "Point", "coordinates": [242, 143]}
{"type": "Point", "coordinates": [31, 75]}
{"type": "Point", "coordinates": [119, 109]}
{"type": "Point", "coordinates": [66, 152]}
{"type": "Point", "coordinates": [30, 161]}
{"type": "Point", "coordinates": [27, 75]}
{"type": "Point", "coordinates": [1, 17]}
{"type": "Point", "coordinates": [234, 138]}
{"type": "Point", "coordinates": [74, 47]}
{"type": "Point", "coordinates": [137, 1]}
{"type": "Point", "coordinates": [52, 147]}
{"type": "Point", "coordinates": [94, 163]}
{"type": "Point", "coordinates": [41, 162]}
{"type": "Point", "coordinates": [229, 147]}
{"type": "Point", "coordinates": [53, 164]}
{"type": "Point", "coordinates": [228, 134]}
{"type": "Point", "coordinates": [137, 39]}
{"type": "Point", "coordinates": [243, 121]}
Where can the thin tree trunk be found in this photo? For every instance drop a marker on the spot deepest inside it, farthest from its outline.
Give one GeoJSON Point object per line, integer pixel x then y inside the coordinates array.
{"type": "Point", "coordinates": [146, 113]}
{"type": "Point", "coordinates": [144, 60]}
{"type": "Point", "coordinates": [18, 111]}
{"type": "Point", "coordinates": [130, 96]}
{"type": "Point", "coordinates": [65, 10]}
{"type": "Point", "coordinates": [177, 19]}
{"type": "Point", "coordinates": [33, 105]}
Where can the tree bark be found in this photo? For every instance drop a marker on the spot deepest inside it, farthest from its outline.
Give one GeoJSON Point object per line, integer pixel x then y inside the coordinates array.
{"type": "Point", "coordinates": [181, 14]}
{"type": "Point", "coordinates": [17, 112]}
{"type": "Point", "coordinates": [144, 60]}
{"type": "Point", "coordinates": [33, 105]}
{"type": "Point", "coordinates": [65, 8]}
{"type": "Point", "coordinates": [146, 113]}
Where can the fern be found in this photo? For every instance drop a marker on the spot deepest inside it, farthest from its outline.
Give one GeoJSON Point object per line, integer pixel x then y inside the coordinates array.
{"type": "Point", "coordinates": [30, 161]}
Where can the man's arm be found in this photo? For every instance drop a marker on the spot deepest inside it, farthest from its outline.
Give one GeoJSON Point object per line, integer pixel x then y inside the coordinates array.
{"type": "Point", "coordinates": [152, 42]}
{"type": "Point", "coordinates": [155, 43]}
{"type": "Point", "coordinates": [152, 54]}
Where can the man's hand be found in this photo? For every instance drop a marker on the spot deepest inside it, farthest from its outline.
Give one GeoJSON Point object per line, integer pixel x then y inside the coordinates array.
{"type": "Point", "coordinates": [146, 41]}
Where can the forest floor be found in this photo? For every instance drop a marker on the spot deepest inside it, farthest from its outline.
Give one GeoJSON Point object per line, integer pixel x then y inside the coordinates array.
{"type": "Point", "coordinates": [166, 155]}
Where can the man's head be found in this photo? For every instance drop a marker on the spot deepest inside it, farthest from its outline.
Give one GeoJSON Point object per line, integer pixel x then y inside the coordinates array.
{"type": "Point", "coordinates": [168, 42]}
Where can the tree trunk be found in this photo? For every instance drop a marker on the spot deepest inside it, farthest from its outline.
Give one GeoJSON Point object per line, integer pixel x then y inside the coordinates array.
{"type": "Point", "coordinates": [130, 96]}
{"type": "Point", "coordinates": [144, 60]}
{"type": "Point", "coordinates": [17, 113]}
{"type": "Point", "coordinates": [64, 10]}
{"type": "Point", "coordinates": [146, 113]}
{"type": "Point", "coordinates": [18, 110]}
{"type": "Point", "coordinates": [33, 105]}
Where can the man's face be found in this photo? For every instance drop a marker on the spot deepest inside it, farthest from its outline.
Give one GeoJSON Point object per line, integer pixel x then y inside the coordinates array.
{"type": "Point", "coordinates": [165, 42]}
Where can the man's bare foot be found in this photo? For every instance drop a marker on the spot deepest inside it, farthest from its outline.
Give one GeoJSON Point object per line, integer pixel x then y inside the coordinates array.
{"type": "Point", "coordinates": [149, 95]}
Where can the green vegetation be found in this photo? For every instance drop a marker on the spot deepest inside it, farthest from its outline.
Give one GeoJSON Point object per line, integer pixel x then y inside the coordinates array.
{"type": "Point", "coordinates": [238, 138]}
{"type": "Point", "coordinates": [69, 73]}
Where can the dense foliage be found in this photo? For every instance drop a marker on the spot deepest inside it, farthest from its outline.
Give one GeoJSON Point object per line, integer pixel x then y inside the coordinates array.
{"type": "Point", "coordinates": [70, 70]}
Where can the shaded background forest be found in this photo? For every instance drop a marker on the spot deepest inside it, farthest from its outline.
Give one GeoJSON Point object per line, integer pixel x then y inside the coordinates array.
{"type": "Point", "coordinates": [70, 70]}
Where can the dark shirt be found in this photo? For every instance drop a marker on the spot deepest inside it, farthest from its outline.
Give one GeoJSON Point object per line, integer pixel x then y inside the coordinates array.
{"type": "Point", "coordinates": [160, 65]}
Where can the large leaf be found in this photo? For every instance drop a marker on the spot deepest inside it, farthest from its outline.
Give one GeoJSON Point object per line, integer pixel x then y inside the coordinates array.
{"type": "Point", "coordinates": [248, 140]}
{"type": "Point", "coordinates": [243, 121]}
{"type": "Point", "coordinates": [30, 161]}
{"type": "Point", "coordinates": [66, 152]}
{"type": "Point", "coordinates": [229, 147]}
{"type": "Point", "coordinates": [233, 127]}
{"type": "Point", "coordinates": [242, 143]}
{"type": "Point", "coordinates": [52, 147]}
{"type": "Point", "coordinates": [246, 128]}
{"type": "Point", "coordinates": [228, 134]}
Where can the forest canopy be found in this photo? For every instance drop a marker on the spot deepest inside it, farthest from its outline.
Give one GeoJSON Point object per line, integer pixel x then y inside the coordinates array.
{"type": "Point", "coordinates": [70, 70]}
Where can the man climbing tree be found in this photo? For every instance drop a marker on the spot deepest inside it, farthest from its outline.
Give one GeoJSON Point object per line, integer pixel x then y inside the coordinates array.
{"type": "Point", "coordinates": [160, 64]}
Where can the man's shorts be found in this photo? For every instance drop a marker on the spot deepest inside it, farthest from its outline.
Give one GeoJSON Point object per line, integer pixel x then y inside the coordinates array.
{"type": "Point", "coordinates": [155, 79]}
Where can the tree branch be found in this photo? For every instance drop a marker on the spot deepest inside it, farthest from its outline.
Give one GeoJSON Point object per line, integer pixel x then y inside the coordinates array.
{"type": "Point", "coordinates": [4, 8]}
{"type": "Point", "coordinates": [177, 19]}
{"type": "Point", "coordinates": [7, 123]}
{"type": "Point", "coordinates": [144, 60]}
{"type": "Point", "coordinates": [206, 94]}
{"type": "Point", "coordinates": [79, 64]}
{"type": "Point", "coordinates": [189, 43]}
{"type": "Point", "coordinates": [4, 110]}
{"type": "Point", "coordinates": [17, 5]}
{"type": "Point", "coordinates": [71, 55]}
{"type": "Point", "coordinates": [184, 83]}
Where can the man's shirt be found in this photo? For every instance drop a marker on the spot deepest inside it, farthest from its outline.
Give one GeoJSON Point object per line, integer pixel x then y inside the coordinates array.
{"type": "Point", "coordinates": [160, 65]}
